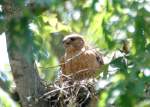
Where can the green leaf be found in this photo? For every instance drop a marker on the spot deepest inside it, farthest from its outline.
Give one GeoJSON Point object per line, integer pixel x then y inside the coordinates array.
{"type": "Point", "coordinates": [120, 63]}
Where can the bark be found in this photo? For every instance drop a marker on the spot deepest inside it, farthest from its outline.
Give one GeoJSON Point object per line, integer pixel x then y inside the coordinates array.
{"type": "Point", "coordinates": [28, 83]}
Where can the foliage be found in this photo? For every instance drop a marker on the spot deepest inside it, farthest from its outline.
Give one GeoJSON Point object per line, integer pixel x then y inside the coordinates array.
{"type": "Point", "coordinates": [105, 23]}
{"type": "Point", "coordinates": [5, 100]}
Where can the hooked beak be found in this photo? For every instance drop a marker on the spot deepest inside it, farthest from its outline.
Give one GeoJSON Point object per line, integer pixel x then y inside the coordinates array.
{"type": "Point", "coordinates": [66, 42]}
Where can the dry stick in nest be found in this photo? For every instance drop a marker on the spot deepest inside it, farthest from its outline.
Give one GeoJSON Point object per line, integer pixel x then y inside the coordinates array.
{"type": "Point", "coordinates": [55, 90]}
{"type": "Point", "coordinates": [79, 90]}
{"type": "Point", "coordinates": [61, 89]}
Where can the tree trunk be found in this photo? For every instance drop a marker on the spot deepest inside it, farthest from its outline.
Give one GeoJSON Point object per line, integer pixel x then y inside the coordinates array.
{"type": "Point", "coordinates": [27, 80]}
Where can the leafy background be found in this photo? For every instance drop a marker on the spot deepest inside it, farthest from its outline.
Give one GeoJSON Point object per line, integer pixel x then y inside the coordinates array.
{"type": "Point", "coordinates": [106, 24]}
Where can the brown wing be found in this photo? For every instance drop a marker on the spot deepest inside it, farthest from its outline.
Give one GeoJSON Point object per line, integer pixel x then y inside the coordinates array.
{"type": "Point", "coordinates": [99, 58]}
{"type": "Point", "coordinates": [90, 60]}
{"type": "Point", "coordinates": [97, 53]}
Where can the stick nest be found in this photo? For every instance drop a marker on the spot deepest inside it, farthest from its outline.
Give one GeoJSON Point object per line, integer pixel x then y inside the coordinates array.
{"type": "Point", "coordinates": [71, 94]}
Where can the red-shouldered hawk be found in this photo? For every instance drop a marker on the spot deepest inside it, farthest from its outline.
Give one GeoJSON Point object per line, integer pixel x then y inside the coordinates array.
{"type": "Point", "coordinates": [79, 61]}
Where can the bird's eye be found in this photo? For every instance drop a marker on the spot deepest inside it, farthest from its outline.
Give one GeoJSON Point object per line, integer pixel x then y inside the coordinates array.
{"type": "Point", "coordinates": [72, 39]}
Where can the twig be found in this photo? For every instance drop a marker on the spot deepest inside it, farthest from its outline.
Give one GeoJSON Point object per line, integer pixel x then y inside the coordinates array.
{"type": "Point", "coordinates": [48, 93]}
{"type": "Point", "coordinates": [68, 59]}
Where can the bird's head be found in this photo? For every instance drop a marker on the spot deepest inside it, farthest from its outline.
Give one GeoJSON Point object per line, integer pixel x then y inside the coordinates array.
{"type": "Point", "coordinates": [73, 42]}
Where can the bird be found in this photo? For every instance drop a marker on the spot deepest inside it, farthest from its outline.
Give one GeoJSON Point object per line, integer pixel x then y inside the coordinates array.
{"type": "Point", "coordinates": [79, 61]}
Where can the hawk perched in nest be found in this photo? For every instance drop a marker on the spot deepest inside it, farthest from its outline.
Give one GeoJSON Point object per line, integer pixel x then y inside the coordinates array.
{"type": "Point", "coordinates": [79, 61]}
